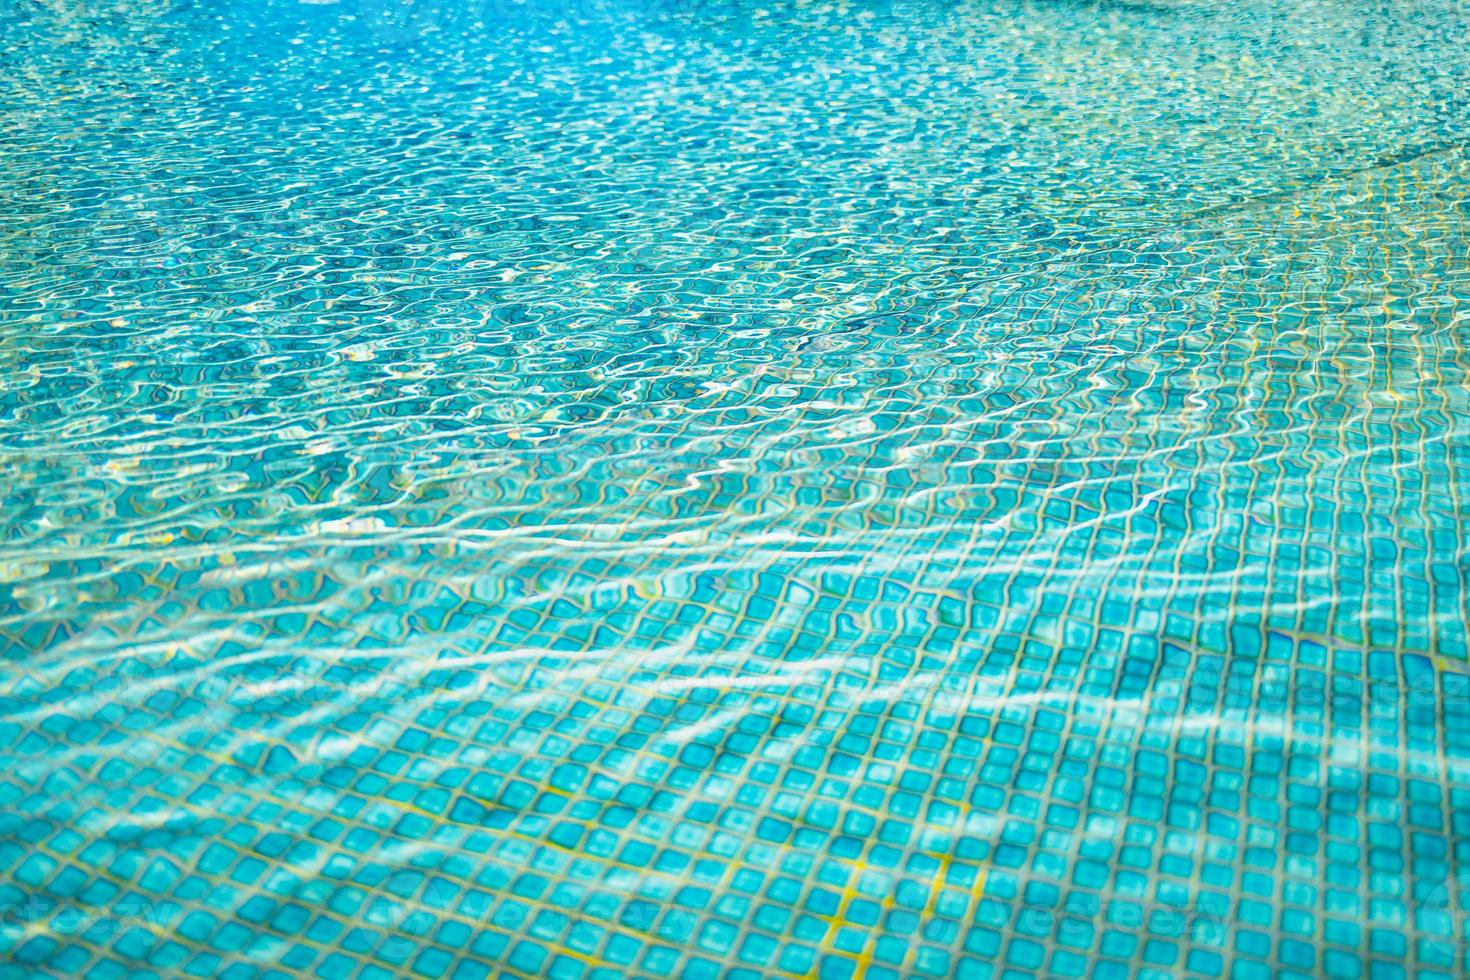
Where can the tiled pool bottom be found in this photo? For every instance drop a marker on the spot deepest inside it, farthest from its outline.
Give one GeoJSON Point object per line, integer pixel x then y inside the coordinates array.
{"type": "Point", "coordinates": [807, 489]}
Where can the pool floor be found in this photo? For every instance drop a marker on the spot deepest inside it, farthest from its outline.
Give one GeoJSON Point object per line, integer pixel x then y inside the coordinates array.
{"type": "Point", "coordinates": [734, 488]}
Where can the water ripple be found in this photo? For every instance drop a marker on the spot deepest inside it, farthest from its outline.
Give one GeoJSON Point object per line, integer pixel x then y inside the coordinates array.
{"type": "Point", "coordinates": [680, 488]}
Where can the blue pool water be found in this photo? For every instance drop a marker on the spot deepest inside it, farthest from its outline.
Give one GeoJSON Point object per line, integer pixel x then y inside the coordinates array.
{"type": "Point", "coordinates": [751, 488]}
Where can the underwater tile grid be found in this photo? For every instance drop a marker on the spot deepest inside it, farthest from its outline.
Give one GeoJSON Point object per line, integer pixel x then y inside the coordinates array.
{"type": "Point", "coordinates": [750, 488]}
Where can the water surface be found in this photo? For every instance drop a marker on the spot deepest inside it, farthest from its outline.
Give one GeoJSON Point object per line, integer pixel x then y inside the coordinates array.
{"type": "Point", "coordinates": [678, 488]}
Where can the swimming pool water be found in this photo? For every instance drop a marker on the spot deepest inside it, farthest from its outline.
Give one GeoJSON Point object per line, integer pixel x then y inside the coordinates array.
{"type": "Point", "coordinates": [692, 488]}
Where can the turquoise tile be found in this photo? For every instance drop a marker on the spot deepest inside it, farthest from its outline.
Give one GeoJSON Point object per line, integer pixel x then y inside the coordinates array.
{"type": "Point", "coordinates": [734, 489]}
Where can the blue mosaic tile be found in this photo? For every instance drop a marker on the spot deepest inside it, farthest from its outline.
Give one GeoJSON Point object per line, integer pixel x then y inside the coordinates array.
{"type": "Point", "coordinates": [734, 488]}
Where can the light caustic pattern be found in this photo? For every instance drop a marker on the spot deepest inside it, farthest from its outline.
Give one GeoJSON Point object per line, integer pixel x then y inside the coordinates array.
{"type": "Point", "coordinates": [734, 488]}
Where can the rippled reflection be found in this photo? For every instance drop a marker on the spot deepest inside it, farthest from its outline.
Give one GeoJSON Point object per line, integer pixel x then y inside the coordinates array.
{"type": "Point", "coordinates": [758, 487]}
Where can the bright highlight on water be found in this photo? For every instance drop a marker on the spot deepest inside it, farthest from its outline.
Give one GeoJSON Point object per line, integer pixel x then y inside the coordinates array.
{"type": "Point", "coordinates": [734, 488]}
